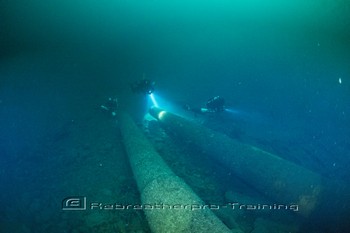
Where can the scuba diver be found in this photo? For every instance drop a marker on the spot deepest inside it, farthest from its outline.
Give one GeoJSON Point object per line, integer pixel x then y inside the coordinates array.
{"type": "Point", "coordinates": [111, 106]}
{"type": "Point", "coordinates": [144, 86]}
{"type": "Point", "coordinates": [216, 104]}
{"type": "Point", "coordinates": [213, 105]}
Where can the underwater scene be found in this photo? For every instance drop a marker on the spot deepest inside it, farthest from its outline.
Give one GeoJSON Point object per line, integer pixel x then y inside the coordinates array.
{"type": "Point", "coordinates": [174, 116]}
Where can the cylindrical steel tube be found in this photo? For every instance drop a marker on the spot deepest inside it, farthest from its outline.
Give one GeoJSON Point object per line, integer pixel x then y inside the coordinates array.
{"type": "Point", "coordinates": [169, 204]}
{"type": "Point", "coordinates": [278, 179]}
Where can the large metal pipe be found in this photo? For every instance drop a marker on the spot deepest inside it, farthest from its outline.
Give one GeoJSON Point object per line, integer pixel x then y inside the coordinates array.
{"type": "Point", "coordinates": [278, 179]}
{"type": "Point", "coordinates": [169, 204]}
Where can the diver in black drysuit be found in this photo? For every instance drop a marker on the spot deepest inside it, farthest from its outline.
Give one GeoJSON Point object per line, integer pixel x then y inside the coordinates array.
{"type": "Point", "coordinates": [144, 86]}
{"type": "Point", "coordinates": [213, 105]}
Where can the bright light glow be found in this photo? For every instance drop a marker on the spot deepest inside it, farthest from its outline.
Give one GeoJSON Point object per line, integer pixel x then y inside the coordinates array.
{"type": "Point", "coordinates": [233, 111]}
{"type": "Point", "coordinates": [237, 113]}
{"type": "Point", "coordinates": [153, 99]}
{"type": "Point", "coordinates": [161, 115]}
{"type": "Point", "coordinates": [159, 101]}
